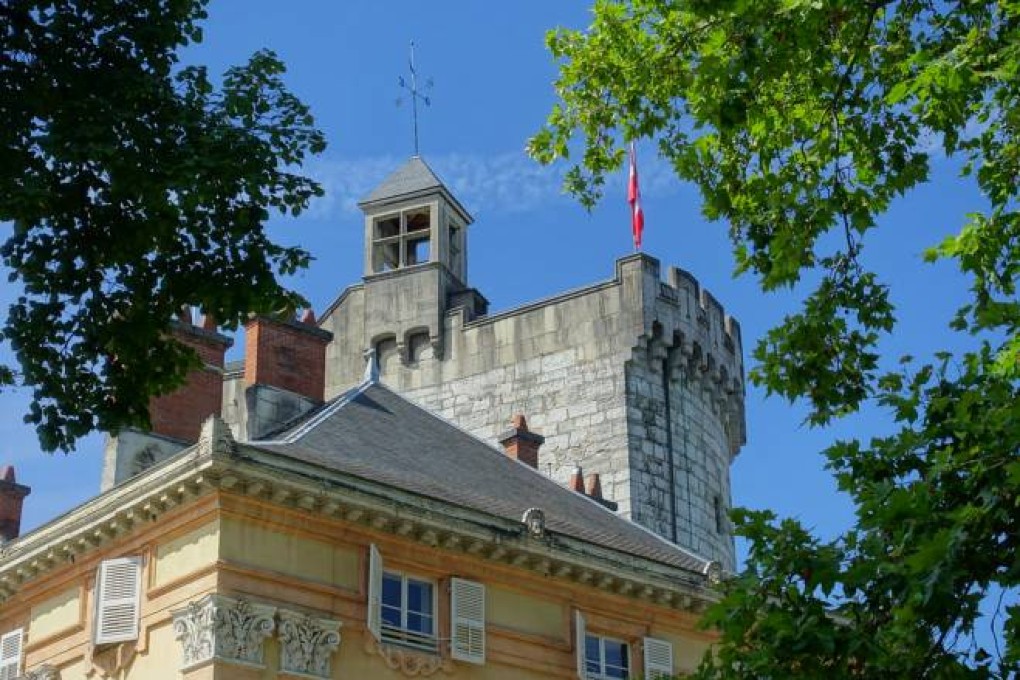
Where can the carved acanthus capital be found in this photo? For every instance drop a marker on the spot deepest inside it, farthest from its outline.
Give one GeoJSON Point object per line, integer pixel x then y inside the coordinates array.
{"type": "Point", "coordinates": [218, 627]}
{"type": "Point", "coordinates": [307, 644]}
{"type": "Point", "coordinates": [44, 672]}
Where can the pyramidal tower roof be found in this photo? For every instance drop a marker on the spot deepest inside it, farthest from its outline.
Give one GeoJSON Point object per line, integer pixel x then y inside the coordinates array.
{"type": "Point", "coordinates": [414, 178]}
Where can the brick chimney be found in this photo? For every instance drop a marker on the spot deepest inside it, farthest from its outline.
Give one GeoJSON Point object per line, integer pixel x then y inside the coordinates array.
{"type": "Point", "coordinates": [521, 443]}
{"type": "Point", "coordinates": [12, 495]}
{"type": "Point", "coordinates": [180, 414]}
{"type": "Point", "coordinates": [287, 354]}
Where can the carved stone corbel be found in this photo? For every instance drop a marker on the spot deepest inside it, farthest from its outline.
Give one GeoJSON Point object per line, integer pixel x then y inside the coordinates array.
{"type": "Point", "coordinates": [222, 628]}
{"type": "Point", "coordinates": [307, 644]}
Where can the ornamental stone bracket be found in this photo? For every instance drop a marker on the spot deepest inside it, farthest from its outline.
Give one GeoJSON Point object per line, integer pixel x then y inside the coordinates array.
{"type": "Point", "coordinates": [222, 628]}
{"type": "Point", "coordinates": [307, 644]}
{"type": "Point", "coordinates": [408, 662]}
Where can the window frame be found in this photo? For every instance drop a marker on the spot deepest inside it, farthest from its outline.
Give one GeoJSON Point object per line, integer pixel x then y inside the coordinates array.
{"type": "Point", "coordinates": [405, 239]}
{"type": "Point", "coordinates": [403, 636]}
{"type": "Point", "coordinates": [600, 674]}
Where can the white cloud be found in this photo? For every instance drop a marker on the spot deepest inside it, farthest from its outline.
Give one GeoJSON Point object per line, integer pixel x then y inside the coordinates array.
{"type": "Point", "coordinates": [508, 182]}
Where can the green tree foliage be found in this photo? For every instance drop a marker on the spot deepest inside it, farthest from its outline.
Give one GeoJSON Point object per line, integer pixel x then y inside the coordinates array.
{"type": "Point", "coordinates": [799, 121]}
{"type": "Point", "coordinates": [132, 186]}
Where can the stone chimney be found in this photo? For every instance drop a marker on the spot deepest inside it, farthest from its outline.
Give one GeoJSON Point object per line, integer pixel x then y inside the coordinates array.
{"type": "Point", "coordinates": [12, 495]}
{"type": "Point", "coordinates": [287, 354]}
{"type": "Point", "coordinates": [180, 414]}
{"type": "Point", "coordinates": [521, 443]}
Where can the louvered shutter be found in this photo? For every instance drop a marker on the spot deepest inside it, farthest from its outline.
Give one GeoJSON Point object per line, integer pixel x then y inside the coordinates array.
{"type": "Point", "coordinates": [118, 600]}
{"type": "Point", "coordinates": [467, 616]}
{"type": "Point", "coordinates": [10, 655]}
{"type": "Point", "coordinates": [580, 633]}
{"type": "Point", "coordinates": [658, 659]}
{"type": "Point", "coordinates": [375, 569]}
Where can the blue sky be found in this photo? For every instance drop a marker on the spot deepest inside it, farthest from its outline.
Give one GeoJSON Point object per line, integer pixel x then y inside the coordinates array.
{"type": "Point", "coordinates": [492, 88]}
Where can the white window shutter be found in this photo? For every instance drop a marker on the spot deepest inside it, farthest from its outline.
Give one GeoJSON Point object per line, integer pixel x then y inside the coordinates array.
{"type": "Point", "coordinates": [658, 659]}
{"type": "Point", "coordinates": [10, 655]}
{"type": "Point", "coordinates": [467, 616]}
{"type": "Point", "coordinates": [375, 571]}
{"type": "Point", "coordinates": [118, 600]}
{"type": "Point", "coordinates": [580, 633]}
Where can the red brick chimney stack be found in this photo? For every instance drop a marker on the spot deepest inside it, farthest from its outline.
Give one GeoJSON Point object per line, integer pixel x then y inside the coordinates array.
{"type": "Point", "coordinates": [12, 496]}
{"type": "Point", "coordinates": [521, 443]}
{"type": "Point", "coordinates": [287, 354]}
{"type": "Point", "coordinates": [181, 413]}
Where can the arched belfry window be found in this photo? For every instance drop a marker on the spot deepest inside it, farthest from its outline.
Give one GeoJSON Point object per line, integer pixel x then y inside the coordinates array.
{"type": "Point", "coordinates": [401, 239]}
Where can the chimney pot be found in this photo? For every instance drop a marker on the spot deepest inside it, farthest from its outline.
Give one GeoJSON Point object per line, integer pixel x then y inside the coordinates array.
{"type": "Point", "coordinates": [12, 495]}
{"type": "Point", "coordinates": [593, 486]}
{"type": "Point", "coordinates": [308, 316]}
{"type": "Point", "coordinates": [520, 443]}
{"type": "Point", "coordinates": [577, 480]}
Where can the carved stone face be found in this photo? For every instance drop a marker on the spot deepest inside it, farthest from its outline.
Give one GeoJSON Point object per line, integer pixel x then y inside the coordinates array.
{"type": "Point", "coordinates": [534, 520]}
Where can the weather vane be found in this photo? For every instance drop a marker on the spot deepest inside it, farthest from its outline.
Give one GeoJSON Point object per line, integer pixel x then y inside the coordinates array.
{"type": "Point", "coordinates": [416, 95]}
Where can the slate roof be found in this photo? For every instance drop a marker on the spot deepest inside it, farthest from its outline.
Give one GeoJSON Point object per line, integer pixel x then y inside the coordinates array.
{"type": "Point", "coordinates": [413, 178]}
{"type": "Point", "coordinates": [373, 433]}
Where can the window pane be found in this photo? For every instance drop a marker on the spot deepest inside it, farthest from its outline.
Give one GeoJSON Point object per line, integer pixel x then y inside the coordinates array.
{"type": "Point", "coordinates": [391, 590]}
{"type": "Point", "coordinates": [616, 653]}
{"type": "Point", "coordinates": [419, 596]}
{"type": "Point", "coordinates": [417, 251]}
{"type": "Point", "coordinates": [418, 220]}
{"type": "Point", "coordinates": [391, 616]}
{"type": "Point", "coordinates": [387, 226]}
{"type": "Point", "coordinates": [591, 651]}
{"type": "Point", "coordinates": [419, 623]}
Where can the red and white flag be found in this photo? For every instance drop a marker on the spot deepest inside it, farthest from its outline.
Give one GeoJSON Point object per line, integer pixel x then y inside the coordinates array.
{"type": "Point", "coordinates": [637, 216]}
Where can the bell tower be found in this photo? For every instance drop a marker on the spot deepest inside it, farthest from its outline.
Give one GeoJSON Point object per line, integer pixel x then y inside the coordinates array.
{"type": "Point", "coordinates": [412, 219]}
{"type": "Point", "coordinates": [415, 267]}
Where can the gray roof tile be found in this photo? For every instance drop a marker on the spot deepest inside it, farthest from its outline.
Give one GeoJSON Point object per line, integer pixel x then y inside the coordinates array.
{"type": "Point", "coordinates": [411, 178]}
{"type": "Point", "coordinates": [373, 433]}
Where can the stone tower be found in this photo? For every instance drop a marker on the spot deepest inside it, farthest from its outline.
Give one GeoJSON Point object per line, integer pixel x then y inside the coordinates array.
{"type": "Point", "coordinates": [635, 378]}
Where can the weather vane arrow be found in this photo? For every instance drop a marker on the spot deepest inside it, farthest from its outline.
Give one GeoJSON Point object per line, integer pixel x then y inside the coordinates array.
{"type": "Point", "coordinates": [416, 96]}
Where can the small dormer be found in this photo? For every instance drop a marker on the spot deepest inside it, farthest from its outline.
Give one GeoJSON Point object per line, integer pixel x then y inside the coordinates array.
{"type": "Point", "coordinates": [412, 219]}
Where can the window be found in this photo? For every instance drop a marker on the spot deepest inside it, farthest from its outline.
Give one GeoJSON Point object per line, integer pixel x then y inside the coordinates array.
{"type": "Point", "coordinates": [417, 344]}
{"type": "Point", "coordinates": [402, 611]}
{"type": "Point", "coordinates": [720, 514]}
{"type": "Point", "coordinates": [658, 659]}
{"type": "Point", "coordinates": [408, 611]}
{"type": "Point", "coordinates": [118, 596]}
{"type": "Point", "coordinates": [401, 240]}
{"type": "Point", "coordinates": [456, 248]}
{"type": "Point", "coordinates": [10, 655]}
{"type": "Point", "coordinates": [605, 658]}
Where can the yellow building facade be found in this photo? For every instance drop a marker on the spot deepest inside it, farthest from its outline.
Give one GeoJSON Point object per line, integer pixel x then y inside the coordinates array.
{"type": "Point", "coordinates": [312, 555]}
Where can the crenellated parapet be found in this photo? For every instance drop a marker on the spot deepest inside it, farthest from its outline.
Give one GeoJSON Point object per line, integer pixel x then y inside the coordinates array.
{"type": "Point", "coordinates": [686, 327]}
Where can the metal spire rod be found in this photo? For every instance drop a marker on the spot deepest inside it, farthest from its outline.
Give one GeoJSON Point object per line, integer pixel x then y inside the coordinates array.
{"type": "Point", "coordinates": [416, 95]}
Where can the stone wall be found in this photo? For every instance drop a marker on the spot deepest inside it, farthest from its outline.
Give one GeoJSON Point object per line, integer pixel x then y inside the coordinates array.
{"type": "Point", "coordinates": [586, 368]}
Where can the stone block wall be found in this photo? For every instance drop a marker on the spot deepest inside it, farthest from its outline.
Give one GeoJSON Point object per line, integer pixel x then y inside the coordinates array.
{"type": "Point", "coordinates": [586, 369]}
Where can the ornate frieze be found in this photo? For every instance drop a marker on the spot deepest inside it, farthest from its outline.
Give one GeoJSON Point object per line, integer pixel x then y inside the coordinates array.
{"type": "Point", "coordinates": [307, 644]}
{"type": "Point", "coordinates": [223, 628]}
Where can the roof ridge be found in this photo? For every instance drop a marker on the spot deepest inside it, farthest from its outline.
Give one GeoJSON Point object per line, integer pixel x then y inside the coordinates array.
{"type": "Point", "coordinates": [328, 410]}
